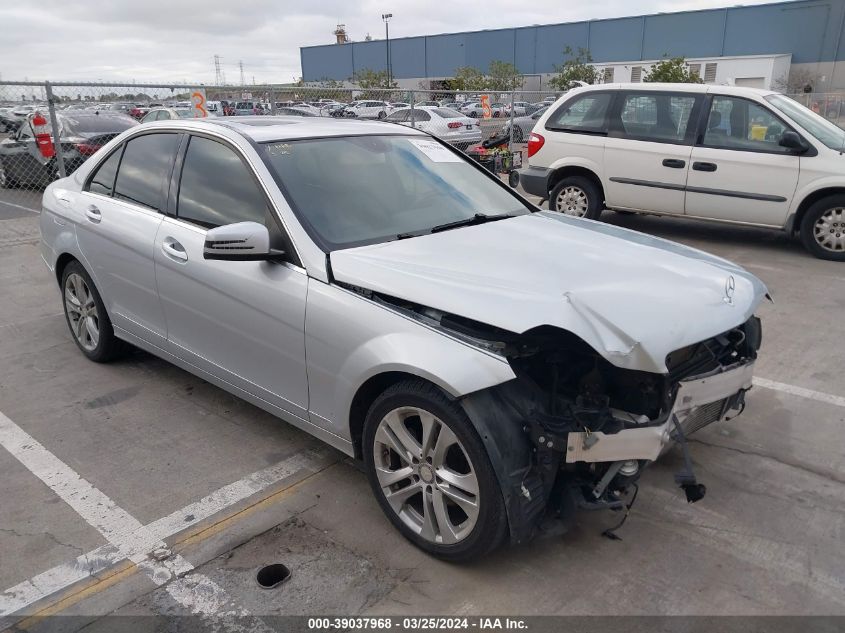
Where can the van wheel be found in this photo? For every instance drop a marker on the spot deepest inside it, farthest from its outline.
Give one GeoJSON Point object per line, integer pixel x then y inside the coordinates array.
{"type": "Point", "coordinates": [823, 228]}
{"type": "Point", "coordinates": [86, 316]}
{"type": "Point", "coordinates": [430, 472]}
{"type": "Point", "coordinates": [576, 196]}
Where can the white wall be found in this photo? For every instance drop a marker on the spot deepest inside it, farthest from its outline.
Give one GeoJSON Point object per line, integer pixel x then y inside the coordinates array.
{"type": "Point", "coordinates": [728, 69]}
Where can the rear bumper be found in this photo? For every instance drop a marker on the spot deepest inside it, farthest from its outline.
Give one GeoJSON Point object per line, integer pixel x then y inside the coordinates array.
{"type": "Point", "coordinates": [535, 180]}
{"type": "Point", "coordinates": [699, 402]}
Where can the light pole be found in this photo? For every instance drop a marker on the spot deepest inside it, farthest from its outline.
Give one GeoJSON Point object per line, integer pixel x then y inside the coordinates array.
{"type": "Point", "coordinates": [386, 17]}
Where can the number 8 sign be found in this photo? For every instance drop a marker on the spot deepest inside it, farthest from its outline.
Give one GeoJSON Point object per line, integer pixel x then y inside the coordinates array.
{"type": "Point", "coordinates": [198, 103]}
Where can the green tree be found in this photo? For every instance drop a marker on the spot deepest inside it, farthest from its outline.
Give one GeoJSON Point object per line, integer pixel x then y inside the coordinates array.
{"type": "Point", "coordinates": [367, 79]}
{"type": "Point", "coordinates": [467, 78]}
{"type": "Point", "coordinates": [673, 70]}
{"type": "Point", "coordinates": [503, 76]}
{"type": "Point", "coordinates": [577, 68]}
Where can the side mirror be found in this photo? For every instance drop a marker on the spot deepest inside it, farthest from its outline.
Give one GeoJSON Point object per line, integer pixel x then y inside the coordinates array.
{"type": "Point", "coordinates": [791, 140]}
{"type": "Point", "coordinates": [242, 241]}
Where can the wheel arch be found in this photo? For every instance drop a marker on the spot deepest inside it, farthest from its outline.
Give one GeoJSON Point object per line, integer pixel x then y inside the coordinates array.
{"type": "Point", "coordinates": [566, 171]}
{"type": "Point", "coordinates": [62, 262]}
{"type": "Point", "coordinates": [794, 222]}
{"type": "Point", "coordinates": [363, 399]}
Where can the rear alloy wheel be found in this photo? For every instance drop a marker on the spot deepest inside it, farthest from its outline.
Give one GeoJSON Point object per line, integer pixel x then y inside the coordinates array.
{"type": "Point", "coordinates": [87, 318]}
{"type": "Point", "coordinates": [823, 229]}
{"type": "Point", "coordinates": [576, 196]}
{"type": "Point", "coordinates": [431, 474]}
{"type": "Point", "coordinates": [382, 114]}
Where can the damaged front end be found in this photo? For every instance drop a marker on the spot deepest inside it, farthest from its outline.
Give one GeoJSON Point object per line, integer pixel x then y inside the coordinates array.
{"type": "Point", "coordinates": [592, 427]}
{"type": "Point", "coordinates": [573, 431]}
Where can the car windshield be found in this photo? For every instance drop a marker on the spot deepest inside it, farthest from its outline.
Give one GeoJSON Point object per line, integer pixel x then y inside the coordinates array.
{"type": "Point", "coordinates": [831, 135]}
{"type": "Point", "coordinates": [184, 113]}
{"type": "Point", "coordinates": [350, 191]}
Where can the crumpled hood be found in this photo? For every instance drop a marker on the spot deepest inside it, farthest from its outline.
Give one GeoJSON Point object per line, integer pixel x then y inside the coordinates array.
{"type": "Point", "coordinates": [632, 297]}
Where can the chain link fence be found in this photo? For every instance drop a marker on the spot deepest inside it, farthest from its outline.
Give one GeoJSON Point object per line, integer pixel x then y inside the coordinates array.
{"type": "Point", "coordinates": [829, 105]}
{"type": "Point", "coordinates": [88, 115]}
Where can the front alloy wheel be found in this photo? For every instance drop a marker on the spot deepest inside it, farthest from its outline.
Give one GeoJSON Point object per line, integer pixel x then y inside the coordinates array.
{"type": "Point", "coordinates": [431, 473]}
{"type": "Point", "coordinates": [426, 476]}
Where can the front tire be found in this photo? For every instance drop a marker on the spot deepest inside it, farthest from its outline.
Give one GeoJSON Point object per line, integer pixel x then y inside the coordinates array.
{"type": "Point", "coordinates": [86, 316]}
{"type": "Point", "coordinates": [823, 228]}
{"type": "Point", "coordinates": [577, 196]}
{"type": "Point", "coordinates": [431, 474]}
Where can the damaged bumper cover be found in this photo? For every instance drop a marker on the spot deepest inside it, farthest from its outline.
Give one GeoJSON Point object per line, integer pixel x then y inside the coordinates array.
{"type": "Point", "coordinates": [698, 403]}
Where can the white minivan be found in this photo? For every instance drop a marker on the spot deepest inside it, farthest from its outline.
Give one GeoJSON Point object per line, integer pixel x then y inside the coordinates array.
{"type": "Point", "coordinates": [722, 153]}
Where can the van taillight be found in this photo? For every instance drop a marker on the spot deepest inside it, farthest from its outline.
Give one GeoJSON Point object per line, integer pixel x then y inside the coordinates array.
{"type": "Point", "coordinates": [535, 142]}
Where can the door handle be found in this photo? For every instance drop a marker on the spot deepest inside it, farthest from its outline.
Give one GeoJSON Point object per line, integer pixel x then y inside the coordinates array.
{"type": "Point", "coordinates": [697, 166]}
{"type": "Point", "coordinates": [93, 214]}
{"type": "Point", "coordinates": [174, 250]}
{"type": "Point", "coordinates": [674, 163]}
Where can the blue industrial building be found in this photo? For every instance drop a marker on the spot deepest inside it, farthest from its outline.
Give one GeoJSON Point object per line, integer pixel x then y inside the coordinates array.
{"type": "Point", "coordinates": [810, 31]}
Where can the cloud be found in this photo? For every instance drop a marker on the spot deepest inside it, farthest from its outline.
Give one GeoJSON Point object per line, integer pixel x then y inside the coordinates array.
{"type": "Point", "coordinates": [175, 41]}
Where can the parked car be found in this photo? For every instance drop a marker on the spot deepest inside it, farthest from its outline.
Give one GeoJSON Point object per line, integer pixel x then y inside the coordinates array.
{"type": "Point", "coordinates": [122, 108]}
{"type": "Point", "coordinates": [367, 110]}
{"type": "Point", "coordinates": [486, 361]}
{"type": "Point", "coordinates": [298, 105]}
{"type": "Point", "coordinates": [520, 108]}
{"type": "Point", "coordinates": [294, 111]}
{"type": "Point", "coordinates": [433, 104]}
{"type": "Point", "coordinates": [248, 108]}
{"type": "Point", "coordinates": [474, 109]}
{"type": "Point", "coordinates": [167, 114]}
{"type": "Point", "coordinates": [523, 125]}
{"type": "Point", "coordinates": [720, 153]}
{"type": "Point", "coordinates": [446, 124]}
{"type": "Point", "coordinates": [82, 133]}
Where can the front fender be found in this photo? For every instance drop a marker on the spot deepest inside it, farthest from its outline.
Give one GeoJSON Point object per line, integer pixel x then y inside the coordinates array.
{"type": "Point", "coordinates": [350, 339]}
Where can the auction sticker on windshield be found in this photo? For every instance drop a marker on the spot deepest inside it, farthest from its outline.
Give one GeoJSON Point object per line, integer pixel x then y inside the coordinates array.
{"type": "Point", "coordinates": [435, 151]}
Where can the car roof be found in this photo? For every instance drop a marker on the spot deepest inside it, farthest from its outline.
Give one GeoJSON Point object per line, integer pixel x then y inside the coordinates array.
{"type": "Point", "coordinates": [676, 87]}
{"type": "Point", "coordinates": [277, 128]}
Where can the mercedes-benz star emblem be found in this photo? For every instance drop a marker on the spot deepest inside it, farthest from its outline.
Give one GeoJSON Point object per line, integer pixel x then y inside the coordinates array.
{"type": "Point", "coordinates": [730, 288]}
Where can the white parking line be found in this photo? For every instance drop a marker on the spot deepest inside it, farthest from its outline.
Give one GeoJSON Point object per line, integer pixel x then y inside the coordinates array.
{"type": "Point", "coordinates": [810, 394]}
{"type": "Point", "coordinates": [127, 537]}
{"type": "Point", "coordinates": [21, 207]}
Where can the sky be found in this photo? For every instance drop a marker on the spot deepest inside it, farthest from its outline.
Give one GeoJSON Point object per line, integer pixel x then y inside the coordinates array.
{"type": "Point", "coordinates": [176, 40]}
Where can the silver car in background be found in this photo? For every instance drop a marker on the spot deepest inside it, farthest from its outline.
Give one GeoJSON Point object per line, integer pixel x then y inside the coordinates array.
{"type": "Point", "coordinates": [444, 123]}
{"type": "Point", "coordinates": [490, 363]}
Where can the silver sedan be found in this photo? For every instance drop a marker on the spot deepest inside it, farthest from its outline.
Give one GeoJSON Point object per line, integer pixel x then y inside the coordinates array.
{"type": "Point", "coordinates": [490, 363]}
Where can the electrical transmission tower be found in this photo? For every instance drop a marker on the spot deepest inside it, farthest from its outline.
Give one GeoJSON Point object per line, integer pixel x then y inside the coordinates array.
{"type": "Point", "coordinates": [218, 74]}
{"type": "Point", "coordinates": [241, 64]}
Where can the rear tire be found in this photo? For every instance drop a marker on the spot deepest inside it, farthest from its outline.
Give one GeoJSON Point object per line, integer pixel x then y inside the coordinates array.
{"type": "Point", "coordinates": [444, 495]}
{"type": "Point", "coordinates": [87, 318]}
{"type": "Point", "coordinates": [823, 228]}
{"type": "Point", "coordinates": [578, 197]}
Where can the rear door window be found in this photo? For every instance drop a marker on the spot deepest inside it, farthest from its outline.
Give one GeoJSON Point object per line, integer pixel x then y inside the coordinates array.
{"type": "Point", "coordinates": [584, 113]}
{"type": "Point", "coordinates": [652, 116]}
{"type": "Point", "coordinates": [145, 169]}
{"type": "Point", "coordinates": [103, 179]}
